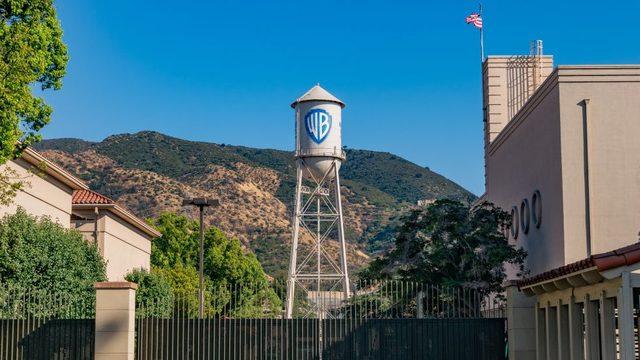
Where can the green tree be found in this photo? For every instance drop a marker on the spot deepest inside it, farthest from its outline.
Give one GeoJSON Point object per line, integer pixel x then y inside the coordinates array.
{"type": "Point", "coordinates": [154, 295]}
{"type": "Point", "coordinates": [226, 262]}
{"type": "Point", "coordinates": [33, 55]}
{"type": "Point", "coordinates": [227, 269]}
{"type": "Point", "coordinates": [451, 244]}
{"type": "Point", "coordinates": [185, 281]}
{"type": "Point", "coordinates": [179, 243]}
{"type": "Point", "coordinates": [41, 254]}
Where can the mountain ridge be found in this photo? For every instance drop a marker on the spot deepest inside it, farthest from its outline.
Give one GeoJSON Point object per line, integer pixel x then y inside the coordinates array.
{"type": "Point", "coordinates": [150, 172]}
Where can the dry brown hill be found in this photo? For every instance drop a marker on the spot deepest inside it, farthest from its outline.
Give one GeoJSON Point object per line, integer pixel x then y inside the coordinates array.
{"type": "Point", "coordinates": [253, 186]}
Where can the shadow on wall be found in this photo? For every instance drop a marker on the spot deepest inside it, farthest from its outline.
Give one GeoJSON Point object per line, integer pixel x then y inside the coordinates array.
{"type": "Point", "coordinates": [53, 339]}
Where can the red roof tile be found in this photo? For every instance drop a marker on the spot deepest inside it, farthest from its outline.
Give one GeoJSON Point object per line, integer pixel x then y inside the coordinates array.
{"type": "Point", "coordinates": [83, 197]}
{"type": "Point", "coordinates": [624, 256]}
{"type": "Point", "coordinates": [88, 197]}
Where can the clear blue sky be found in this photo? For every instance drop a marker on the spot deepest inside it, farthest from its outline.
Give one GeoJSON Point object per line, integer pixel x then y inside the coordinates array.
{"type": "Point", "coordinates": [226, 72]}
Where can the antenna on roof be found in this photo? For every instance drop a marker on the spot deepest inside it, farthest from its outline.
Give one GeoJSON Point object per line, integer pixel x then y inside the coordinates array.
{"type": "Point", "coordinates": [535, 53]}
{"type": "Point", "coordinates": [536, 48]}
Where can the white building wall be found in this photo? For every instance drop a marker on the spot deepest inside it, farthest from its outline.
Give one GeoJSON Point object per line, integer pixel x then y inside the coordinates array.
{"type": "Point", "coordinates": [41, 194]}
{"type": "Point", "coordinates": [543, 148]}
{"type": "Point", "coordinates": [125, 248]}
{"type": "Point", "coordinates": [523, 159]}
{"type": "Point", "coordinates": [613, 153]}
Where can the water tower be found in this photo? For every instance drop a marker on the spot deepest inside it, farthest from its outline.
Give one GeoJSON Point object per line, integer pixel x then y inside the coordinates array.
{"type": "Point", "coordinates": [318, 275]}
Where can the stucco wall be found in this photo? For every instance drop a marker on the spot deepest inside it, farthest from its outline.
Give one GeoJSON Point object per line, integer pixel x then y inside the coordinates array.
{"type": "Point", "coordinates": [125, 248]}
{"type": "Point", "coordinates": [613, 152]}
{"type": "Point", "coordinates": [41, 195]}
{"type": "Point", "coordinates": [523, 159]}
{"type": "Point", "coordinates": [92, 227]}
{"type": "Point", "coordinates": [542, 148]}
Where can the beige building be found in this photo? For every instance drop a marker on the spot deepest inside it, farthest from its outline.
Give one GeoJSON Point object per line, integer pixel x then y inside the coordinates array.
{"type": "Point", "coordinates": [562, 155]}
{"type": "Point", "coordinates": [123, 240]}
{"type": "Point", "coordinates": [47, 188]}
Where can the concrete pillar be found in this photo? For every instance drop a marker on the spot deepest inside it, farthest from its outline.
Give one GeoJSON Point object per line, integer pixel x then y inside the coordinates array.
{"type": "Point", "coordinates": [115, 320]}
{"type": "Point", "coordinates": [607, 328]}
{"type": "Point", "coordinates": [592, 328]}
{"type": "Point", "coordinates": [564, 340]}
{"type": "Point", "coordinates": [420, 305]}
{"type": "Point", "coordinates": [541, 333]}
{"type": "Point", "coordinates": [625, 322]}
{"type": "Point", "coordinates": [552, 332]}
{"type": "Point", "coordinates": [521, 324]}
{"type": "Point", "coordinates": [576, 337]}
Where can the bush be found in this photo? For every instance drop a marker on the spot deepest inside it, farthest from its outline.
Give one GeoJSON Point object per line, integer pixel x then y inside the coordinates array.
{"type": "Point", "coordinates": [41, 254]}
{"type": "Point", "coordinates": [184, 283]}
{"type": "Point", "coordinates": [154, 296]}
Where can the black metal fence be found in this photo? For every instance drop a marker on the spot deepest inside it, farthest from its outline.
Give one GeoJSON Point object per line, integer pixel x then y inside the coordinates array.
{"type": "Point", "coordinates": [36, 324]}
{"type": "Point", "coordinates": [380, 320]}
{"type": "Point", "coordinates": [218, 338]}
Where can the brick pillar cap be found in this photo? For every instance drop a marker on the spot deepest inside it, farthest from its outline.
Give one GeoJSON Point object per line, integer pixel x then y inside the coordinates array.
{"type": "Point", "coordinates": [120, 285]}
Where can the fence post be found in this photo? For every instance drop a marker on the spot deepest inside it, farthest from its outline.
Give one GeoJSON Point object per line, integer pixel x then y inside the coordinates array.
{"type": "Point", "coordinates": [115, 320]}
{"type": "Point", "coordinates": [521, 328]}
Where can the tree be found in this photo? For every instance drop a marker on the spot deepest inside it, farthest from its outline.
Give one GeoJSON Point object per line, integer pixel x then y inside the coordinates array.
{"type": "Point", "coordinates": [451, 244]}
{"type": "Point", "coordinates": [183, 281]}
{"type": "Point", "coordinates": [226, 262]}
{"type": "Point", "coordinates": [224, 259]}
{"type": "Point", "coordinates": [179, 243]}
{"type": "Point", "coordinates": [33, 55]}
{"type": "Point", "coordinates": [41, 254]}
{"type": "Point", "coordinates": [227, 268]}
{"type": "Point", "coordinates": [154, 295]}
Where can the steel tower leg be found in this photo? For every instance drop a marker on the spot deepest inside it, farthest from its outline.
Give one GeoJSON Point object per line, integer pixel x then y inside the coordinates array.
{"type": "Point", "coordinates": [291, 281]}
{"type": "Point", "coordinates": [343, 247]}
{"type": "Point", "coordinates": [320, 214]}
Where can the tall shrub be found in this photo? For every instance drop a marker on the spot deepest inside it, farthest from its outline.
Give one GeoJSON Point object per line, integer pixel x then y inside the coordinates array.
{"type": "Point", "coordinates": [38, 254]}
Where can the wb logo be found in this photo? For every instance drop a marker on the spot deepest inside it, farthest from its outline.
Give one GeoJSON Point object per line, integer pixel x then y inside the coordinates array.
{"type": "Point", "coordinates": [318, 123]}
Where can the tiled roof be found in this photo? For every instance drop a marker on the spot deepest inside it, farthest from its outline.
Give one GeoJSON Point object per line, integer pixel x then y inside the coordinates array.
{"type": "Point", "coordinates": [627, 255]}
{"type": "Point", "coordinates": [85, 197]}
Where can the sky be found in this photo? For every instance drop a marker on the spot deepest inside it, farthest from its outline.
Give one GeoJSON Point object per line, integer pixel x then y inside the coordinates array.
{"type": "Point", "coordinates": [227, 71]}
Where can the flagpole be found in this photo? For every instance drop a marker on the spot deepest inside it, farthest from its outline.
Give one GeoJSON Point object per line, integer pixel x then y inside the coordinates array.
{"type": "Point", "coordinates": [481, 37]}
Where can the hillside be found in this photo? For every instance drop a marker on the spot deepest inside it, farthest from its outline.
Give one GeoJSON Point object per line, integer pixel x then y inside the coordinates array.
{"type": "Point", "coordinates": [149, 173]}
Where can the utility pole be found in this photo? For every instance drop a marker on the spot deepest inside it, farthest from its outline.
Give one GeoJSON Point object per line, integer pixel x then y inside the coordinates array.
{"type": "Point", "coordinates": [201, 203]}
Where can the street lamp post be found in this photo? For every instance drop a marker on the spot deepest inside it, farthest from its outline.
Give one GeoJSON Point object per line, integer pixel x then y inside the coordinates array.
{"type": "Point", "coordinates": [201, 203]}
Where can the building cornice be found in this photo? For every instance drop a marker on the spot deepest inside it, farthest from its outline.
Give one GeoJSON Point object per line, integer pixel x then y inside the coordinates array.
{"type": "Point", "coordinates": [566, 74]}
{"type": "Point", "coordinates": [538, 96]}
{"type": "Point", "coordinates": [124, 215]}
{"type": "Point", "coordinates": [50, 168]}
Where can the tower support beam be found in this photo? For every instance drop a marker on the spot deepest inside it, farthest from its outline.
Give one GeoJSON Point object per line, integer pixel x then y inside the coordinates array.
{"type": "Point", "coordinates": [318, 215]}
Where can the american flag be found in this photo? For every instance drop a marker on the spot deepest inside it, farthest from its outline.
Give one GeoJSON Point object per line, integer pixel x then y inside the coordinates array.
{"type": "Point", "coordinates": [475, 19]}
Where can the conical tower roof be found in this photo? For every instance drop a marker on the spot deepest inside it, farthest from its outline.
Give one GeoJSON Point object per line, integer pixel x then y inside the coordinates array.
{"type": "Point", "coordinates": [317, 93]}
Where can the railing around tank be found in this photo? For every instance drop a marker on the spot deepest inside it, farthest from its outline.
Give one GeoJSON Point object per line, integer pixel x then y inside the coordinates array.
{"type": "Point", "coordinates": [321, 152]}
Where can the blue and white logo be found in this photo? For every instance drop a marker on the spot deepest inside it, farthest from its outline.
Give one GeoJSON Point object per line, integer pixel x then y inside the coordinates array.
{"type": "Point", "coordinates": [318, 123]}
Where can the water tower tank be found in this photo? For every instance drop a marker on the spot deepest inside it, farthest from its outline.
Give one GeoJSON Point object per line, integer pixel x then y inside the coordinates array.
{"type": "Point", "coordinates": [318, 132]}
